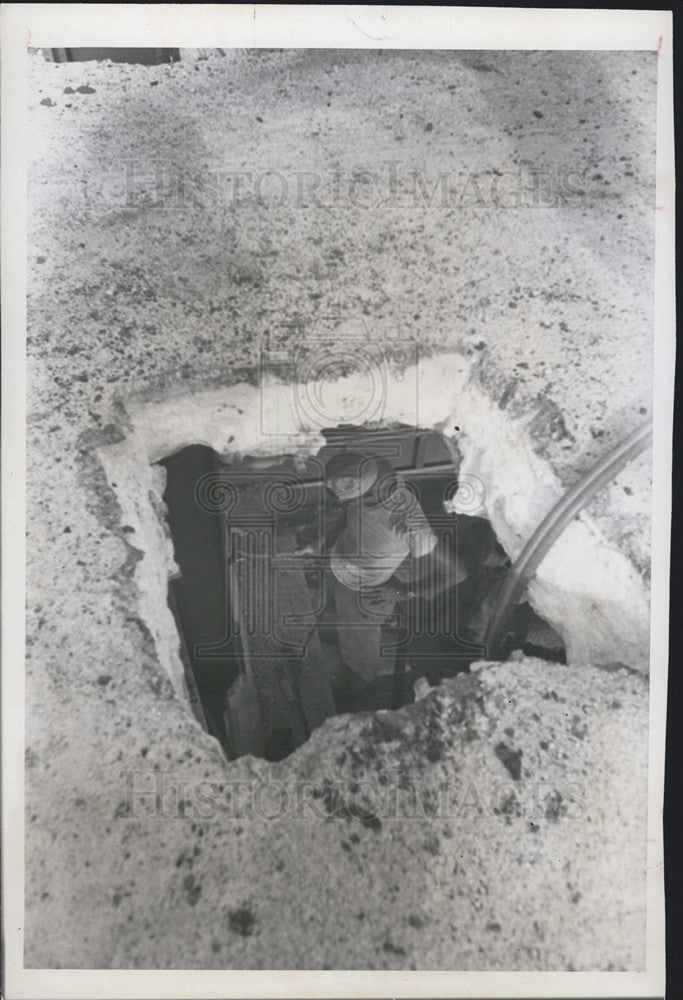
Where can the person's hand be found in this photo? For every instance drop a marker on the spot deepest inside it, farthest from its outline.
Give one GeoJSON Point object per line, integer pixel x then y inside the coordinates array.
{"type": "Point", "coordinates": [497, 557]}
{"type": "Point", "coordinates": [305, 550]}
{"type": "Point", "coordinates": [296, 555]}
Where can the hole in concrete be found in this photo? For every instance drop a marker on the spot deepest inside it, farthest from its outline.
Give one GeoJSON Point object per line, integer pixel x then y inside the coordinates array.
{"type": "Point", "coordinates": [260, 636]}
{"type": "Point", "coordinates": [602, 615]}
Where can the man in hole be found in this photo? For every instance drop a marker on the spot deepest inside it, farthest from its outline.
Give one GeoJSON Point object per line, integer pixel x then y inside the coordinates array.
{"type": "Point", "coordinates": [384, 552]}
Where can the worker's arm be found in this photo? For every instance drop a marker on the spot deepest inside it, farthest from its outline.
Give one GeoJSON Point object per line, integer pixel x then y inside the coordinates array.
{"type": "Point", "coordinates": [437, 571]}
{"type": "Point", "coordinates": [325, 525]}
{"type": "Point", "coordinates": [436, 564]}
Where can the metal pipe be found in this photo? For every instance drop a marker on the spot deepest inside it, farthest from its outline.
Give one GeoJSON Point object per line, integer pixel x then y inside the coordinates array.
{"type": "Point", "coordinates": [552, 526]}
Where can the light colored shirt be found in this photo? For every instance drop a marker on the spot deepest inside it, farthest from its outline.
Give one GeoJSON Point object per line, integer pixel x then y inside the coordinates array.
{"type": "Point", "coordinates": [378, 536]}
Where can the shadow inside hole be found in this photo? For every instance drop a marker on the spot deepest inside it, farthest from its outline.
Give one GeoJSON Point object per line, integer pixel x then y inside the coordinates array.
{"type": "Point", "coordinates": [132, 56]}
{"type": "Point", "coordinates": [256, 702]}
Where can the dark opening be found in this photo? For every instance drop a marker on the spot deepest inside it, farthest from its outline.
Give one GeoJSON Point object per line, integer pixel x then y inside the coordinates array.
{"type": "Point", "coordinates": [140, 57]}
{"type": "Point", "coordinates": [250, 684]}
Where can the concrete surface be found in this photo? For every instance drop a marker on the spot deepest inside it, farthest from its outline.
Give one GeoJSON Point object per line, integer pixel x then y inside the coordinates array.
{"type": "Point", "coordinates": [130, 301]}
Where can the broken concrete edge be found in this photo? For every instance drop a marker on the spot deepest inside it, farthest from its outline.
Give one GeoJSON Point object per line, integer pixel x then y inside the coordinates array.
{"type": "Point", "coordinates": [586, 588]}
{"type": "Point", "coordinates": [465, 700]}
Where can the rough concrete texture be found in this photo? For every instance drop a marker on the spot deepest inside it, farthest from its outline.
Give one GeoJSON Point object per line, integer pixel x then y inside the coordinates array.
{"type": "Point", "coordinates": [476, 829]}
{"type": "Point", "coordinates": [127, 300]}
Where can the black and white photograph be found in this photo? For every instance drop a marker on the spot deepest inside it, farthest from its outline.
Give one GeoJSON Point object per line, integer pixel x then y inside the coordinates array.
{"type": "Point", "coordinates": [335, 649]}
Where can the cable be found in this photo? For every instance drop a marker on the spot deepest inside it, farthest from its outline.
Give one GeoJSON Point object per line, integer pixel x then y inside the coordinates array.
{"type": "Point", "coordinates": [552, 526]}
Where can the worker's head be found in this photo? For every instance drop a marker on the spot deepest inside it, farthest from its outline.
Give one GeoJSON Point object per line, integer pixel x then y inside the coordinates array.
{"type": "Point", "coordinates": [349, 474]}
